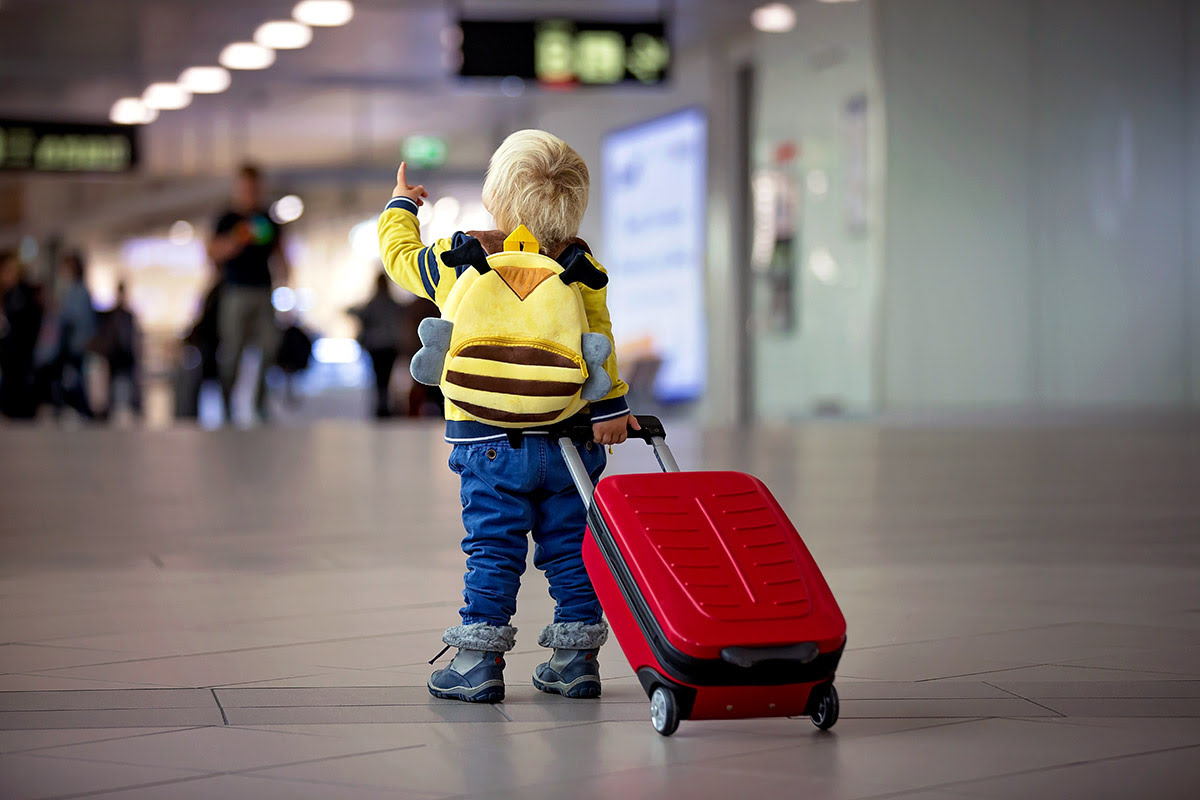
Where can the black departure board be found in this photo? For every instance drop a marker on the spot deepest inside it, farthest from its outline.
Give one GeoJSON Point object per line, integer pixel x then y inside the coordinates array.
{"type": "Point", "coordinates": [566, 53]}
{"type": "Point", "coordinates": [28, 146]}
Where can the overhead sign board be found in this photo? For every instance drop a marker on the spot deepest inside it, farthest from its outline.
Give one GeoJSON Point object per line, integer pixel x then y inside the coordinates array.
{"type": "Point", "coordinates": [424, 151]}
{"type": "Point", "coordinates": [565, 52]}
{"type": "Point", "coordinates": [28, 146]}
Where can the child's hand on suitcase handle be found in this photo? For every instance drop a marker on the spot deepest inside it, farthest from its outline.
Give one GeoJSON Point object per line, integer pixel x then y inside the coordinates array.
{"type": "Point", "coordinates": [615, 431]}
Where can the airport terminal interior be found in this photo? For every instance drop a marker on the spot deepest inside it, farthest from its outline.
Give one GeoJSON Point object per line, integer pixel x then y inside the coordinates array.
{"type": "Point", "coordinates": [927, 269]}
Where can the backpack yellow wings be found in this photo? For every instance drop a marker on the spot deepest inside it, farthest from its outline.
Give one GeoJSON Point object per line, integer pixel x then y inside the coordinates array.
{"type": "Point", "coordinates": [513, 347]}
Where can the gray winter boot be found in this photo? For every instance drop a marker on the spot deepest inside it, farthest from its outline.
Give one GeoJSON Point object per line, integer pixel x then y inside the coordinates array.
{"type": "Point", "coordinates": [573, 670]}
{"type": "Point", "coordinates": [571, 673]}
{"type": "Point", "coordinates": [476, 675]}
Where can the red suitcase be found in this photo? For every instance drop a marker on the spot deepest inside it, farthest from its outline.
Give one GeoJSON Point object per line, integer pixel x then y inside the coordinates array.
{"type": "Point", "coordinates": [715, 600]}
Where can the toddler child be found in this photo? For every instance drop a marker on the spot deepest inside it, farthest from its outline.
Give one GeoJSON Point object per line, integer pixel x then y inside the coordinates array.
{"type": "Point", "coordinates": [515, 485]}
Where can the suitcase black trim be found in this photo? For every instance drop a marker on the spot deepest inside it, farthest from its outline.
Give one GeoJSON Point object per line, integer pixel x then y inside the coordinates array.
{"type": "Point", "coordinates": [700, 671]}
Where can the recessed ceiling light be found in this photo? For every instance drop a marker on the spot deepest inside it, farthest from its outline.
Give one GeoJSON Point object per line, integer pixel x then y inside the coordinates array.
{"type": "Point", "coordinates": [324, 13]}
{"type": "Point", "coordinates": [166, 96]}
{"type": "Point", "coordinates": [132, 111]}
{"type": "Point", "coordinates": [773, 18]}
{"type": "Point", "coordinates": [205, 80]}
{"type": "Point", "coordinates": [247, 55]}
{"type": "Point", "coordinates": [283, 35]}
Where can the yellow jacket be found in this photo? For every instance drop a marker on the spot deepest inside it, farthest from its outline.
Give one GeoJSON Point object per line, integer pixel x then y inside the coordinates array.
{"type": "Point", "coordinates": [419, 269]}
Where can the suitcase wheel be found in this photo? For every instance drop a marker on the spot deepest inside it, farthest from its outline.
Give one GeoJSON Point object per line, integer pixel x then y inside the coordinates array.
{"type": "Point", "coordinates": [826, 715]}
{"type": "Point", "coordinates": [664, 710]}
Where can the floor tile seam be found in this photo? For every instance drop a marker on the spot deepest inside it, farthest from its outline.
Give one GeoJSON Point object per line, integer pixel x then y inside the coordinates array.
{"type": "Point", "coordinates": [1086, 722]}
{"type": "Point", "coordinates": [1087, 684]}
{"type": "Point", "coordinates": [221, 708]}
{"type": "Point", "coordinates": [231, 651]}
{"type": "Point", "coordinates": [104, 690]}
{"type": "Point", "coordinates": [40, 748]}
{"type": "Point", "coordinates": [250, 684]}
{"type": "Point", "coordinates": [118, 763]}
{"type": "Point", "coordinates": [247, 771]}
{"type": "Point", "coordinates": [148, 709]}
{"type": "Point", "coordinates": [480, 706]}
{"type": "Point", "coordinates": [961, 636]}
{"type": "Point", "coordinates": [1172, 675]}
{"type": "Point", "coordinates": [1026, 699]}
{"type": "Point", "coordinates": [126, 685]}
{"type": "Point", "coordinates": [344, 705]}
{"type": "Point", "coordinates": [378, 751]}
{"type": "Point", "coordinates": [293, 643]}
{"type": "Point", "coordinates": [1117, 649]}
{"type": "Point", "coordinates": [275, 729]}
{"type": "Point", "coordinates": [983, 672]}
{"type": "Point", "coordinates": [956, 698]}
{"type": "Point", "coordinates": [375, 789]}
{"type": "Point", "coordinates": [790, 746]}
{"type": "Point", "coordinates": [1033, 771]}
{"type": "Point", "coordinates": [1184, 675]}
{"type": "Point", "coordinates": [553, 727]}
{"type": "Point", "coordinates": [216, 626]}
{"type": "Point", "coordinates": [135, 786]}
{"type": "Point", "coordinates": [371, 787]}
{"type": "Point", "coordinates": [24, 643]}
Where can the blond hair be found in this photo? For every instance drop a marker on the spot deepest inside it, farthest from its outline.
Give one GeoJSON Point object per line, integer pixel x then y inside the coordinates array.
{"type": "Point", "coordinates": [535, 179]}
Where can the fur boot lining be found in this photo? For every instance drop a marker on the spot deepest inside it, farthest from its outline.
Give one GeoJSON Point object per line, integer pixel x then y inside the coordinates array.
{"type": "Point", "coordinates": [481, 636]}
{"type": "Point", "coordinates": [574, 635]}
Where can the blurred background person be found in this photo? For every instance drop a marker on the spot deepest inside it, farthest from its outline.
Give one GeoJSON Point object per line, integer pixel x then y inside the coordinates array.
{"type": "Point", "coordinates": [76, 325]}
{"type": "Point", "coordinates": [245, 244]}
{"type": "Point", "coordinates": [381, 331]}
{"type": "Point", "coordinates": [422, 400]}
{"type": "Point", "coordinates": [294, 357]}
{"type": "Point", "coordinates": [118, 341]}
{"type": "Point", "coordinates": [198, 361]}
{"type": "Point", "coordinates": [21, 313]}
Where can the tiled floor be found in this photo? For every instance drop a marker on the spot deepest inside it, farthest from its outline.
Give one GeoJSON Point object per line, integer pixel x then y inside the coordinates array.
{"type": "Point", "coordinates": [248, 614]}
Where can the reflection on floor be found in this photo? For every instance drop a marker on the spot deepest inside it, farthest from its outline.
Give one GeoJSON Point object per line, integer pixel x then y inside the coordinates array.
{"type": "Point", "coordinates": [186, 614]}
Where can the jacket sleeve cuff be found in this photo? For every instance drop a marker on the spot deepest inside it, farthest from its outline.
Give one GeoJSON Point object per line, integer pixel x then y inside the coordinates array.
{"type": "Point", "coordinates": [402, 202]}
{"type": "Point", "coordinates": [609, 409]}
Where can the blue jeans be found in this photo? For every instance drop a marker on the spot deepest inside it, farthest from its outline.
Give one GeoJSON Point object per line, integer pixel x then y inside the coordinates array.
{"type": "Point", "coordinates": [507, 493]}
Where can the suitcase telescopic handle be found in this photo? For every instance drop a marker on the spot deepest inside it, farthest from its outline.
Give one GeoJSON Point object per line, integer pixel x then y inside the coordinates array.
{"type": "Point", "coordinates": [652, 432]}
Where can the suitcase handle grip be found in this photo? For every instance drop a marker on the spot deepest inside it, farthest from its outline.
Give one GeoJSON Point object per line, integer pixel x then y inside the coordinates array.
{"type": "Point", "coordinates": [803, 653]}
{"type": "Point", "coordinates": [581, 432]}
{"type": "Point", "coordinates": [652, 432]}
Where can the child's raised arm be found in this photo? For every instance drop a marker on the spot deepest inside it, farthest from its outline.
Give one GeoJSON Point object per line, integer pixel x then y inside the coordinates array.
{"type": "Point", "coordinates": [407, 261]}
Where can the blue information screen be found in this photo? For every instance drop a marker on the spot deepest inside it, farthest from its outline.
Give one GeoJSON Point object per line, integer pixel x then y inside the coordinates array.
{"type": "Point", "coordinates": [654, 200]}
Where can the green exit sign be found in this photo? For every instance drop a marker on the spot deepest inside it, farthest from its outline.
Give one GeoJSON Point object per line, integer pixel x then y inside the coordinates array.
{"type": "Point", "coordinates": [424, 151]}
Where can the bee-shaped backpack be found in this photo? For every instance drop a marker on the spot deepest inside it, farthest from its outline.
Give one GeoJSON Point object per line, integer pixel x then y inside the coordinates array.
{"type": "Point", "coordinates": [513, 347]}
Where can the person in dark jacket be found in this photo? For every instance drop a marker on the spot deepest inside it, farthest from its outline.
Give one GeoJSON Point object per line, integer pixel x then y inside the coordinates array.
{"type": "Point", "coordinates": [247, 245]}
{"type": "Point", "coordinates": [21, 313]}
{"type": "Point", "coordinates": [76, 327]}
{"type": "Point", "coordinates": [198, 356]}
{"type": "Point", "coordinates": [295, 355]}
{"type": "Point", "coordinates": [118, 340]}
{"type": "Point", "coordinates": [382, 328]}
